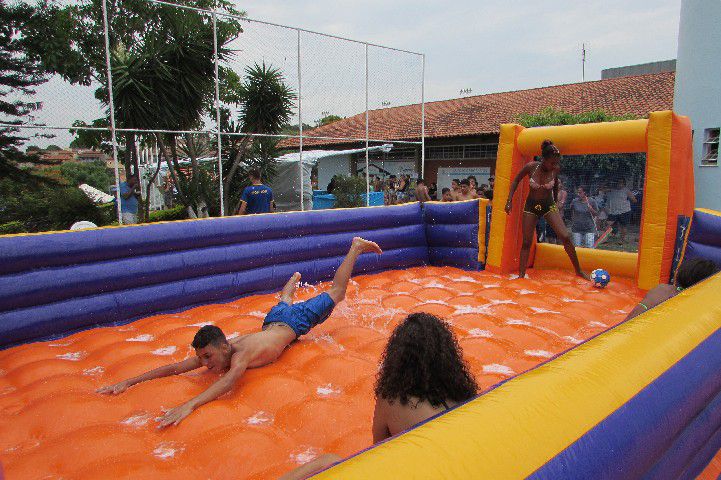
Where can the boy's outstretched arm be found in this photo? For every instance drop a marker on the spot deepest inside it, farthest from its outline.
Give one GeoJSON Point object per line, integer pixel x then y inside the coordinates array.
{"type": "Point", "coordinates": [224, 384]}
{"type": "Point", "coordinates": [164, 371]}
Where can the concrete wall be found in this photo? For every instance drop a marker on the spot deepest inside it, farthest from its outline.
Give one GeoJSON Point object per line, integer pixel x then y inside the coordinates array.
{"type": "Point", "coordinates": [698, 87]}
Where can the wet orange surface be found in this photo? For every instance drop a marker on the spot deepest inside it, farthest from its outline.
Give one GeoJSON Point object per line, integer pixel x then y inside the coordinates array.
{"type": "Point", "coordinates": [713, 469]}
{"type": "Point", "coordinates": [316, 398]}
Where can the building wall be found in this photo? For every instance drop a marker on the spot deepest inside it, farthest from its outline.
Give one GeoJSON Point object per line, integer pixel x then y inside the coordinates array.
{"type": "Point", "coordinates": [698, 87]}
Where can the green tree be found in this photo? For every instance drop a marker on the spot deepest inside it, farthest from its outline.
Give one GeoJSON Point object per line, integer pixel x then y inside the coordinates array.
{"type": "Point", "coordinates": [266, 104]}
{"type": "Point", "coordinates": [20, 73]}
{"type": "Point", "coordinates": [162, 65]}
{"type": "Point", "coordinates": [587, 168]}
{"type": "Point", "coordinates": [349, 191]}
{"type": "Point", "coordinates": [328, 119]}
{"type": "Point", "coordinates": [93, 139]}
{"type": "Point", "coordinates": [46, 207]}
{"type": "Point", "coordinates": [94, 174]}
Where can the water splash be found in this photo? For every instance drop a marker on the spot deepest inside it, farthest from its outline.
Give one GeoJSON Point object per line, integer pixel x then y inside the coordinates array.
{"type": "Point", "coordinates": [305, 456]}
{"type": "Point", "coordinates": [598, 324]}
{"type": "Point", "coordinates": [201, 324]}
{"type": "Point", "coordinates": [538, 353]}
{"type": "Point", "coordinates": [327, 390]}
{"type": "Point", "coordinates": [145, 337]}
{"type": "Point", "coordinates": [165, 351]}
{"type": "Point", "coordinates": [462, 309]}
{"type": "Point", "coordinates": [543, 310]}
{"type": "Point", "coordinates": [260, 418]}
{"type": "Point", "coordinates": [491, 285]}
{"type": "Point", "coordinates": [438, 302]}
{"type": "Point", "coordinates": [232, 336]}
{"type": "Point", "coordinates": [525, 292]}
{"type": "Point", "coordinates": [168, 450]}
{"type": "Point", "coordinates": [479, 333]}
{"type": "Point", "coordinates": [496, 368]}
{"type": "Point", "coordinates": [91, 372]}
{"type": "Point", "coordinates": [61, 344]}
{"type": "Point", "coordinates": [7, 390]}
{"type": "Point", "coordinates": [513, 321]}
{"type": "Point", "coordinates": [256, 313]}
{"type": "Point", "coordinates": [573, 339]}
{"type": "Point", "coordinates": [572, 300]}
{"type": "Point", "coordinates": [72, 356]}
{"type": "Point", "coordinates": [137, 420]}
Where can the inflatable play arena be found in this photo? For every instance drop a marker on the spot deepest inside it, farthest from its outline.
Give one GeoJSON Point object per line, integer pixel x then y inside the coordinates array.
{"type": "Point", "coordinates": [568, 388]}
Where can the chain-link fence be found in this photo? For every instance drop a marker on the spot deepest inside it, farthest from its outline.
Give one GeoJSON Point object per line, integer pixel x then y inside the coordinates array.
{"type": "Point", "coordinates": [176, 107]}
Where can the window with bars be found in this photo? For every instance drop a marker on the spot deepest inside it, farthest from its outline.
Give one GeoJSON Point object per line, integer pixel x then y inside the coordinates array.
{"type": "Point", "coordinates": [477, 151]}
{"type": "Point", "coordinates": [710, 147]}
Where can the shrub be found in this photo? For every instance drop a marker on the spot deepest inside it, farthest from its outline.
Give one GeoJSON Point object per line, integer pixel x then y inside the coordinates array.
{"type": "Point", "coordinates": [349, 191]}
{"type": "Point", "coordinates": [175, 213]}
{"type": "Point", "coordinates": [11, 227]}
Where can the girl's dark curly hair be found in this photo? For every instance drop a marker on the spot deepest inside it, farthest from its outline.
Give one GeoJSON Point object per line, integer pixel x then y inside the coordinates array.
{"type": "Point", "coordinates": [423, 360]}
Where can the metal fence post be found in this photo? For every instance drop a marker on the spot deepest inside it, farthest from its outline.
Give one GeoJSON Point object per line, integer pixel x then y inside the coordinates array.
{"type": "Point", "coordinates": [423, 116]}
{"type": "Point", "coordinates": [368, 185]}
{"type": "Point", "coordinates": [217, 115]}
{"type": "Point", "coordinates": [111, 105]}
{"type": "Point", "coordinates": [300, 127]}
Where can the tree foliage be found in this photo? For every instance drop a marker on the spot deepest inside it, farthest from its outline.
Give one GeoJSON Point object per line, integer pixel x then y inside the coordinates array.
{"type": "Point", "coordinates": [328, 119]}
{"type": "Point", "coordinates": [349, 191]}
{"type": "Point", "coordinates": [20, 72]}
{"type": "Point", "coordinates": [590, 169]}
{"type": "Point", "coordinates": [266, 104]}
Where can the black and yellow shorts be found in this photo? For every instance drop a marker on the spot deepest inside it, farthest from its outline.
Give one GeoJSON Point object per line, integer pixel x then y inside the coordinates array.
{"type": "Point", "coordinates": [540, 208]}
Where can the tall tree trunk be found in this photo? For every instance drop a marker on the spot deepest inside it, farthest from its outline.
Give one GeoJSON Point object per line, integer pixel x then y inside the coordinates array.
{"type": "Point", "coordinates": [232, 172]}
{"type": "Point", "coordinates": [151, 181]}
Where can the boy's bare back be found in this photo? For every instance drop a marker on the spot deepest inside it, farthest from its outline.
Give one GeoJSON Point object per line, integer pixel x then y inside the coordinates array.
{"type": "Point", "coordinates": [264, 347]}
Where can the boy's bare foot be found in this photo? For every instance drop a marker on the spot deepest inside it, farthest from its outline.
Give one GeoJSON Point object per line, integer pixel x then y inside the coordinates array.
{"type": "Point", "coordinates": [363, 245]}
{"type": "Point", "coordinates": [289, 288]}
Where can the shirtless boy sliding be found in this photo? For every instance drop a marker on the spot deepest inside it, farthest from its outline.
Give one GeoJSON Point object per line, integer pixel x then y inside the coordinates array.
{"type": "Point", "coordinates": [284, 323]}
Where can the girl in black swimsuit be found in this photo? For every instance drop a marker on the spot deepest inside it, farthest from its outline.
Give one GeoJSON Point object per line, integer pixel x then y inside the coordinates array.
{"type": "Point", "coordinates": [541, 203]}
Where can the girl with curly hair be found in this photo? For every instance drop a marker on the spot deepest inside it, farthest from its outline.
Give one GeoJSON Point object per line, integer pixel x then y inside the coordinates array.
{"type": "Point", "coordinates": [422, 374]}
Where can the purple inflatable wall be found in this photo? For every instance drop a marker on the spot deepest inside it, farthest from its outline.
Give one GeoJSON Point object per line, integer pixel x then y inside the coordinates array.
{"type": "Point", "coordinates": [53, 284]}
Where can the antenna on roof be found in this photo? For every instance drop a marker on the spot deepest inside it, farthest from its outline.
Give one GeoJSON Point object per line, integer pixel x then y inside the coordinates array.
{"type": "Point", "coordinates": [583, 62]}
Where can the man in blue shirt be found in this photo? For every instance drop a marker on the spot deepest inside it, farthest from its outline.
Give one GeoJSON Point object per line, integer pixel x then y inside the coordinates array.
{"type": "Point", "coordinates": [257, 198]}
{"type": "Point", "coordinates": [129, 193]}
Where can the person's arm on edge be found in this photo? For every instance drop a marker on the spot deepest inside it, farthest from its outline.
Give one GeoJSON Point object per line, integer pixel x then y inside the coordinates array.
{"type": "Point", "coordinates": [164, 371]}
{"type": "Point", "coordinates": [514, 185]}
{"type": "Point", "coordinates": [656, 296]}
{"type": "Point", "coordinates": [224, 384]}
{"type": "Point", "coordinates": [312, 467]}
{"type": "Point", "coordinates": [631, 196]}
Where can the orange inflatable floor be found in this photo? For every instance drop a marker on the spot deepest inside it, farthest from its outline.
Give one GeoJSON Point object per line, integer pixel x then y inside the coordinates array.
{"type": "Point", "coordinates": [713, 469]}
{"type": "Point", "coordinates": [316, 398]}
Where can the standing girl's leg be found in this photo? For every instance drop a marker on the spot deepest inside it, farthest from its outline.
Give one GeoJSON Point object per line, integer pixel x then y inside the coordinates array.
{"type": "Point", "coordinates": [554, 218]}
{"type": "Point", "coordinates": [529, 229]}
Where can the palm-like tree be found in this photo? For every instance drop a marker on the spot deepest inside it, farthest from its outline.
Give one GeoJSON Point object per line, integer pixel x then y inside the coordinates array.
{"type": "Point", "coordinates": [266, 105]}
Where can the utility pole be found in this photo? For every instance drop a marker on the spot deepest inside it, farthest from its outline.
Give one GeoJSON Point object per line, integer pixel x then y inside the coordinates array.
{"type": "Point", "coordinates": [583, 62]}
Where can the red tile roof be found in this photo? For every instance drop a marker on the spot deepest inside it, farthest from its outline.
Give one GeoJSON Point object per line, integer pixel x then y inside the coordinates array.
{"type": "Point", "coordinates": [482, 114]}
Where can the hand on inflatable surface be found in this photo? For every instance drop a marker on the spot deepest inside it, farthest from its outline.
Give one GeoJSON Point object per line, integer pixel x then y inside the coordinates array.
{"type": "Point", "coordinates": [116, 389]}
{"type": "Point", "coordinates": [174, 416]}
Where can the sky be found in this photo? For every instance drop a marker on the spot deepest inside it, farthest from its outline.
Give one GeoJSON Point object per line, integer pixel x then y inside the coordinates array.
{"type": "Point", "coordinates": [494, 46]}
{"type": "Point", "coordinates": [485, 46]}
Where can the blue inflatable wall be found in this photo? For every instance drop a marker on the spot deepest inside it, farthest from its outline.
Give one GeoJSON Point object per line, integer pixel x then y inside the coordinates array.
{"type": "Point", "coordinates": [53, 284]}
{"type": "Point", "coordinates": [704, 236]}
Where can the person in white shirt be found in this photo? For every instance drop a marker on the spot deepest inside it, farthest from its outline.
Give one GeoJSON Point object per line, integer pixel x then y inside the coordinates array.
{"type": "Point", "coordinates": [618, 206]}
